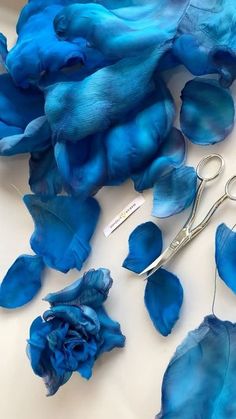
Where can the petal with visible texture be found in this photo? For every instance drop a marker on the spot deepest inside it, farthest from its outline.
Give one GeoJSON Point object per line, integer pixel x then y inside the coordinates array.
{"type": "Point", "coordinates": [225, 255]}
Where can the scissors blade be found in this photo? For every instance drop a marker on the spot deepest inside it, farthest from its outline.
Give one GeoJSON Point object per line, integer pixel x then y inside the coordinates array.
{"type": "Point", "coordinates": [160, 261]}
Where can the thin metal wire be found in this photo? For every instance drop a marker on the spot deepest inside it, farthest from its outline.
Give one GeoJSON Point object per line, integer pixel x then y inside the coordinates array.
{"type": "Point", "coordinates": [216, 273]}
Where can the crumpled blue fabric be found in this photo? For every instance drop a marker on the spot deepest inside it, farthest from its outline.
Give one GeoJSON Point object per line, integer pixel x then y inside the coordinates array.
{"type": "Point", "coordinates": [171, 155]}
{"type": "Point", "coordinates": [22, 281]}
{"type": "Point", "coordinates": [145, 245]}
{"type": "Point", "coordinates": [63, 228]}
{"type": "Point", "coordinates": [45, 179]}
{"type": "Point", "coordinates": [72, 335]}
{"type": "Point", "coordinates": [207, 111]}
{"type": "Point", "coordinates": [163, 299]}
{"type": "Point", "coordinates": [199, 381]}
{"type": "Point", "coordinates": [174, 192]}
{"type": "Point", "coordinates": [225, 255]}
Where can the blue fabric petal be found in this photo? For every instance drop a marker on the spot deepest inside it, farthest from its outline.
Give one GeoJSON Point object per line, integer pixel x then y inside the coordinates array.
{"type": "Point", "coordinates": [174, 192]}
{"type": "Point", "coordinates": [170, 155]}
{"type": "Point", "coordinates": [91, 290]}
{"type": "Point", "coordinates": [225, 255]}
{"type": "Point", "coordinates": [111, 336]}
{"type": "Point", "coordinates": [132, 144]}
{"type": "Point", "coordinates": [37, 49]}
{"type": "Point", "coordinates": [145, 245]}
{"type": "Point", "coordinates": [200, 378]}
{"type": "Point", "coordinates": [63, 229]}
{"type": "Point", "coordinates": [22, 281]}
{"type": "Point", "coordinates": [35, 137]}
{"type": "Point", "coordinates": [163, 299]}
{"type": "Point", "coordinates": [3, 50]}
{"type": "Point", "coordinates": [45, 179]}
{"type": "Point", "coordinates": [207, 112]}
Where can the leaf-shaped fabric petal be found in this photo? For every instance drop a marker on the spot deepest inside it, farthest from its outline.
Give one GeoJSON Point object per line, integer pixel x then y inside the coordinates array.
{"type": "Point", "coordinates": [145, 245]}
{"type": "Point", "coordinates": [45, 179]}
{"type": "Point", "coordinates": [174, 192]}
{"type": "Point", "coordinates": [91, 290]}
{"type": "Point", "coordinates": [63, 229]}
{"type": "Point", "coordinates": [170, 155]}
{"type": "Point", "coordinates": [225, 255]}
{"type": "Point", "coordinates": [163, 299]}
{"type": "Point", "coordinates": [207, 112]}
{"type": "Point", "coordinates": [22, 281]}
{"type": "Point", "coordinates": [110, 332]}
{"type": "Point", "coordinates": [132, 144]}
{"type": "Point", "coordinates": [200, 378]}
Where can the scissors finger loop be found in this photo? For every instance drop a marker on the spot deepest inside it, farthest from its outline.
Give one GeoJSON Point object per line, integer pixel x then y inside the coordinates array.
{"type": "Point", "coordinates": [202, 165]}
{"type": "Point", "coordinates": [229, 188]}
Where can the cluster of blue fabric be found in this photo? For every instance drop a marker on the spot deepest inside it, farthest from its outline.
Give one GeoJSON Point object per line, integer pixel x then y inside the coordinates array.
{"type": "Point", "coordinates": [74, 331]}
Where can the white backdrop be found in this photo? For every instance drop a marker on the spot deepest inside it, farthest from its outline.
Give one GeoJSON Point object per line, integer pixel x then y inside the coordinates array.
{"type": "Point", "coordinates": [126, 383]}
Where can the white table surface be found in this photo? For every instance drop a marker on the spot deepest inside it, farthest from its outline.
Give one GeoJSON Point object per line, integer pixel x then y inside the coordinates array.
{"type": "Point", "coordinates": [126, 383]}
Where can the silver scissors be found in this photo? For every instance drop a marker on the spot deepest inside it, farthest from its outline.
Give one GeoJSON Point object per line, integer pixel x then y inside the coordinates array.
{"type": "Point", "coordinates": [188, 232]}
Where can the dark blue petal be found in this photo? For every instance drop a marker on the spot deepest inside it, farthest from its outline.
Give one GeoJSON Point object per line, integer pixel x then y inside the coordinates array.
{"type": "Point", "coordinates": [174, 192]}
{"type": "Point", "coordinates": [91, 290]}
{"type": "Point", "coordinates": [22, 281]}
{"type": "Point", "coordinates": [35, 137]}
{"type": "Point", "coordinates": [225, 255]}
{"type": "Point", "coordinates": [45, 179]}
{"type": "Point", "coordinates": [200, 379]}
{"type": "Point", "coordinates": [145, 245]}
{"type": "Point", "coordinates": [111, 336]}
{"type": "Point", "coordinates": [132, 144]}
{"type": "Point", "coordinates": [63, 229]}
{"type": "Point", "coordinates": [170, 155]}
{"type": "Point", "coordinates": [163, 299]}
{"type": "Point", "coordinates": [207, 112]}
{"type": "Point", "coordinates": [86, 369]}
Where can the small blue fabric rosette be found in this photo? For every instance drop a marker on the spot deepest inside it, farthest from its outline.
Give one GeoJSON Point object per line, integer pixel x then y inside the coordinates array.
{"type": "Point", "coordinates": [74, 331]}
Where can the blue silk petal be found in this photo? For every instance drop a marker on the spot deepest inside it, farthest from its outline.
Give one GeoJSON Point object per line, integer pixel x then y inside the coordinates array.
{"type": "Point", "coordinates": [131, 145]}
{"type": "Point", "coordinates": [207, 112]}
{"type": "Point", "coordinates": [35, 137]}
{"type": "Point", "coordinates": [37, 49]}
{"type": "Point", "coordinates": [111, 336]}
{"type": "Point", "coordinates": [22, 281]}
{"type": "Point", "coordinates": [174, 192]}
{"type": "Point", "coordinates": [45, 179]}
{"type": "Point", "coordinates": [163, 299]}
{"type": "Point", "coordinates": [170, 155]}
{"type": "Point", "coordinates": [63, 229]}
{"type": "Point", "coordinates": [145, 245]}
{"type": "Point", "coordinates": [225, 255]}
{"type": "Point", "coordinates": [91, 290]}
{"type": "Point", "coordinates": [200, 378]}
{"type": "Point", "coordinates": [3, 50]}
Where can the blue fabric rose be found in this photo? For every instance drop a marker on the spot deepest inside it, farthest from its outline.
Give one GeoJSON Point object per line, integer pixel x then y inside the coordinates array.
{"type": "Point", "coordinates": [74, 332]}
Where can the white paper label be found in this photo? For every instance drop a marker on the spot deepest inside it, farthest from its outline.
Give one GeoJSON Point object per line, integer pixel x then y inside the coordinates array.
{"type": "Point", "coordinates": [123, 215]}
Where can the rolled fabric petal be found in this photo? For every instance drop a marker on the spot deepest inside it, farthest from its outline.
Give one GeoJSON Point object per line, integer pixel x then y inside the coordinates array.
{"type": "Point", "coordinates": [45, 179]}
{"type": "Point", "coordinates": [163, 299]}
{"type": "Point", "coordinates": [63, 229]}
{"type": "Point", "coordinates": [174, 192]}
{"type": "Point", "coordinates": [225, 255]}
{"type": "Point", "coordinates": [207, 112]}
{"type": "Point", "coordinates": [22, 281]}
{"type": "Point", "coordinates": [200, 378]}
{"type": "Point", "coordinates": [171, 155]}
{"type": "Point", "coordinates": [145, 245]}
{"type": "Point", "coordinates": [131, 145]}
{"type": "Point", "coordinates": [90, 290]}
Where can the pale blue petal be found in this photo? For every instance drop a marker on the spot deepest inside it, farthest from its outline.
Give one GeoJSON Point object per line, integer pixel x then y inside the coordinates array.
{"type": "Point", "coordinates": [22, 281]}
{"type": "Point", "coordinates": [174, 192]}
{"type": "Point", "coordinates": [200, 379]}
{"type": "Point", "coordinates": [225, 255]}
{"type": "Point", "coordinates": [63, 229]}
{"type": "Point", "coordinates": [163, 299]}
{"type": "Point", "coordinates": [207, 112]}
{"type": "Point", "coordinates": [145, 245]}
{"type": "Point", "coordinates": [170, 155]}
{"type": "Point", "coordinates": [91, 290]}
